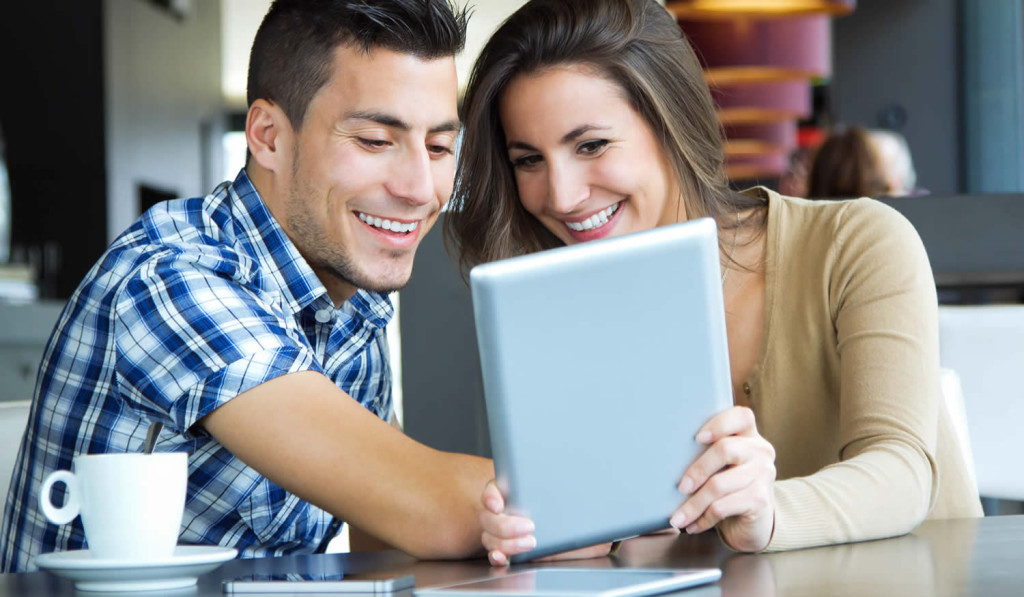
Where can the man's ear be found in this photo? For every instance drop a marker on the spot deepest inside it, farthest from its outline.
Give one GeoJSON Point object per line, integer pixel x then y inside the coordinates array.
{"type": "Point", "coordinates": [268, 135]}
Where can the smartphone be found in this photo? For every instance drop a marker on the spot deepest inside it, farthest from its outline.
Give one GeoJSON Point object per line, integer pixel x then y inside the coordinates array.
{"type": "Point", "coordinates": [316, 583]}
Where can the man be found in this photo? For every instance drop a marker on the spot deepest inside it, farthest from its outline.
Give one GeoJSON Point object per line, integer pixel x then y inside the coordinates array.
{"type": "Point", "coordinates": [250, 322]}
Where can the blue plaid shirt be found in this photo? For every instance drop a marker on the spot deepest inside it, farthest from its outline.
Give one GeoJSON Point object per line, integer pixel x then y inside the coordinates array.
{"type": "Point", "coordinates": [199, 301]}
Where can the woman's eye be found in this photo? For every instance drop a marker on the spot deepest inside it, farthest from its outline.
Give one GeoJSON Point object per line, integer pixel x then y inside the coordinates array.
{"type": "Point", "coordinates": [593, 147]}
{"type": "Point", "coordinates": [526, 161]}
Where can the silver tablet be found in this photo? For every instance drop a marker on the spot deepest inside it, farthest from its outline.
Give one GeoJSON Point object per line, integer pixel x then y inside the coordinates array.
{"type": "Point", "coordinates": [563, 582]}
{"type": "Point", "coordinates": [600, 363]}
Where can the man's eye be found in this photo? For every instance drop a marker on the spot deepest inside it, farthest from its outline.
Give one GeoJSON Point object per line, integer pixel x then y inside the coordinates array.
{"type": "Point", "coordinates": [374, 143]}
{"type": "Point", "coordinates": [593, 147]}
{"type": "Point", "coordinates": [526, 161]}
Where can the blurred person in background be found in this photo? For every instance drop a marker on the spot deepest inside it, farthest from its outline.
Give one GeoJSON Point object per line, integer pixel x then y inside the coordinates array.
{"type": "Point", "coordinates": [847, 165]}
{"type": "Point", "coordinates": [897, 165]}
{"type": "Point", "coordinates": [857, 162]}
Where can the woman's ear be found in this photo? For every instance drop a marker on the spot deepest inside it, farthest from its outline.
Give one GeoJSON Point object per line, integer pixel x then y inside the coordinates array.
{"type": "Point", "coordinates": [267, 131]}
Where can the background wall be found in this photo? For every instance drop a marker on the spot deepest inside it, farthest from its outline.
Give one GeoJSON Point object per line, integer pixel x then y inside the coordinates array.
{"type": "Point", "coordinates": [441, 384]}
{"type": "Point", "coordinates": [896, 65]}
{"type": "Point", "coordinates": [487, 15]}
{"type": "Point", "coordinates": [164, 107]}
{"type": "Point", "coordinates": [51, 112]}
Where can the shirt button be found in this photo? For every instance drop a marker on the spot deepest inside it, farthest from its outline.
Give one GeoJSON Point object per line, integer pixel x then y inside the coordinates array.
{"type": "Point", "coordinates": [323, 315]}
{"type": "Point", "coordinates": [746, 388]}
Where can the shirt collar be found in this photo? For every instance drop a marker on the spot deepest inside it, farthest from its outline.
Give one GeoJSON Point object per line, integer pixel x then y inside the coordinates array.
{"type": "Point", "coordinates": [263, 238]}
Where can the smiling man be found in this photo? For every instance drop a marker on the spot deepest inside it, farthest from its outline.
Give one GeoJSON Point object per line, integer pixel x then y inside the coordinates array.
{"type": "Point", "coordinates": [251, 322]}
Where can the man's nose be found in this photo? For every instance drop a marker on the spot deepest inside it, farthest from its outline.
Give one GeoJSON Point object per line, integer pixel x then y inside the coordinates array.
{"type": "Point", "coordinates": [413, 180]}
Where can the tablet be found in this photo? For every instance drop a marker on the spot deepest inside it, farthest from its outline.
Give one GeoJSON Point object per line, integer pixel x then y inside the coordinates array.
{"type": "Point", "coordinates": [600, 363]}
{"type": "Point", "coordinates": [562, 582]}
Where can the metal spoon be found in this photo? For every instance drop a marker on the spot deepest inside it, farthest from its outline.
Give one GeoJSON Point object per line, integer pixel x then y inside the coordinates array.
{"type": "Point", "coordinates": [151, 435]}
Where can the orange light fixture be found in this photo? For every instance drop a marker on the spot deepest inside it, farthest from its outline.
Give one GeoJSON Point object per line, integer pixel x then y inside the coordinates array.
{"type": "Point", "coordinates": [747, 51]}
{"type": "Point", "coordinates": [762, 103]}
{"type": "Point", "coordinates": [754, 168]}
{"type": "Point", "coordinates": [759, 59]}
{"type": "Point", "coordinates": [728, 9]}
{"type": "Point", "coordinates": [759, 151]}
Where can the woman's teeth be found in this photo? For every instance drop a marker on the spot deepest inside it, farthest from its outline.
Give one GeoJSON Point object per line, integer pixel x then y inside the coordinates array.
{"type": "Point", "coordinates": [388, 224]}
{"type": "Point", "coordinates": [595, 221]}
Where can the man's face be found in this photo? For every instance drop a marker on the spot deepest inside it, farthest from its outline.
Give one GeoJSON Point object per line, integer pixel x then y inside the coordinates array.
{"type": "Point", "coordinates": [371, 167]}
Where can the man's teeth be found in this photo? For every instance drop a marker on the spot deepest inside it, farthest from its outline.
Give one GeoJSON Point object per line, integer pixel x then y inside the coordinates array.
{"type": "Point", "coordinates": [595, 221]}
{"type": "Point", "coordinates": [388, 224]}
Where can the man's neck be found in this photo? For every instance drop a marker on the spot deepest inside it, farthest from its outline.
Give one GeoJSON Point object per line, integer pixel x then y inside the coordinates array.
{"type": "Point", "coordinates": [338, 289]}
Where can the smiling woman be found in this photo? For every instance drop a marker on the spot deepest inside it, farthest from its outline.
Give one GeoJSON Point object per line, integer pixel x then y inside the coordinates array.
{"type": "Point", "coordinates": [575, 182]}
{"type": "Point", "coordinates": [588, 119]}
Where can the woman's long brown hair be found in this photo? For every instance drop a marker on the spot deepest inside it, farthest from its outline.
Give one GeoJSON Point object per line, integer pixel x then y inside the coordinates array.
{"type": "Point", "coordinates": [634, 43]}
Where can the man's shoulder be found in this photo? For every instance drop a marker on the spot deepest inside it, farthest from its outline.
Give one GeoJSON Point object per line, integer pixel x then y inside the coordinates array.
{"type": "Point", "coordinates": [203, 231]}
{"type": "Point", "coordinates": [201, 221]}
{"type": "Point", "coordinates": [175, 242]}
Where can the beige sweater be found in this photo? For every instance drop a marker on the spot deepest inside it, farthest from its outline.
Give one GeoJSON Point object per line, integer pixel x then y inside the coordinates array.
{"type": "Point", "coordinates": [847, 388]}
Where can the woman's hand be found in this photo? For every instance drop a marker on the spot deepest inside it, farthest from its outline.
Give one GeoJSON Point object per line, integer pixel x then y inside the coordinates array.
{"type": "Point", "coordinates": [505, 535]}
{"type": "Point", "coordinates": [731, 483]}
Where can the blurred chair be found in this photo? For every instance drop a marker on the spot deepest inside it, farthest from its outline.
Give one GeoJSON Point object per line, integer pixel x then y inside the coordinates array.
{"type": "Point", "coordinates": [953, 398]}
{"type": "Point", "coordinates": [13, 418]}
{"type": "Point", "coordinates": [984, 345]}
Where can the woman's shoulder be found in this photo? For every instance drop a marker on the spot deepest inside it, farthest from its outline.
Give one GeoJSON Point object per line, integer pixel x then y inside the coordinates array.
{"type": "Point", "coordinates": [859, 221]}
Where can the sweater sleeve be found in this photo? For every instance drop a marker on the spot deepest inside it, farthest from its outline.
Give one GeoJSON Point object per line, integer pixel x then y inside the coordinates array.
{"type": "Point", "coordinates": [883, 305]}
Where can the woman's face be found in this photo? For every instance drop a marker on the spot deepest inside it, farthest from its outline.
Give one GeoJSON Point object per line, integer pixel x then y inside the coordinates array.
{"type": "Point", "coordinates": [586, 164]}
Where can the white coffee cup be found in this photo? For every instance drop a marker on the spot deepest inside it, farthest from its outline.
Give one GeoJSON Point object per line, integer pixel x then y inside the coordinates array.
{"type": "Point", "coordinates": [131, 504]}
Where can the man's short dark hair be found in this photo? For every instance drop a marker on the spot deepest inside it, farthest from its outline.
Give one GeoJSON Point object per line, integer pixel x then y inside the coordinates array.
{"type": "Point", "coordinates": [294, 47]}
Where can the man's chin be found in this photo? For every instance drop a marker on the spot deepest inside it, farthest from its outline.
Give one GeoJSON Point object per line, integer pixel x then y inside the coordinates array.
{"type": "Point", "coordinates": [382, 283]}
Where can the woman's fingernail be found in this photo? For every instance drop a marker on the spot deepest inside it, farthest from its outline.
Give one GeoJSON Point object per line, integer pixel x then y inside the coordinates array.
{"type": "Point", "coordinates": [686, 486]}
{"type": "Point", "coordinates": [526, 542]}
{"type": "Point", "coordinates": [494, 506]}
{"type": "Point", "coordinates": [677, 521]}
{"type": "Point", "coordinates": [692, 528]}
{"type": "Point", "coordinates": [704, 437]}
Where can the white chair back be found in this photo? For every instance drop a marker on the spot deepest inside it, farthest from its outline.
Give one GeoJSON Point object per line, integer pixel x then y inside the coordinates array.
{"type": "Point", "coordinates": [985, 346]}
{"type": "Point", "coordinates": [13, 418]}
{"type": "Point", "coordinates": [953, 397]}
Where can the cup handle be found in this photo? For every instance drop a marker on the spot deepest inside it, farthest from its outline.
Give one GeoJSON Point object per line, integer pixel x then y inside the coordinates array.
{"type": "Point", "coordinates": [71, 508]}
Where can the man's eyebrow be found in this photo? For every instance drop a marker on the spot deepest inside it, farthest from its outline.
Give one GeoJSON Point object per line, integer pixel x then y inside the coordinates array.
{"type": "Point", "coordinates": [380, 118]}
{"type": "Point", "coordinates": [569, 137]}
{"type": "Point", "coordinates": [452, 126]}
{"type": "Point", "coordinates": [394, 122]}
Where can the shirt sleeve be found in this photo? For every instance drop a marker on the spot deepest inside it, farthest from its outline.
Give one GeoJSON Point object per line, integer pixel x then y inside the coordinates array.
{"type": "Point", "coordinates": [883, 304]}
{"type": "Point", "coordinates": [192, 333]}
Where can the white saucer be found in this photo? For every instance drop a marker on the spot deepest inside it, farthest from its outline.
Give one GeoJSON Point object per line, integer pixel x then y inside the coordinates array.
{"type": "Point", "coordinates": [178, 571]}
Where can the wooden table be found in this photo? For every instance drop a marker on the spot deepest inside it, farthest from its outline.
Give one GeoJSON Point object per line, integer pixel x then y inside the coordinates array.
{"type": "Point", "coordinates": [982, 557]}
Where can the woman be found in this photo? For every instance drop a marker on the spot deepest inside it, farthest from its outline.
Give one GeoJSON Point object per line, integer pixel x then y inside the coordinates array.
{"type": "Point", "coordinates": [586, 119]}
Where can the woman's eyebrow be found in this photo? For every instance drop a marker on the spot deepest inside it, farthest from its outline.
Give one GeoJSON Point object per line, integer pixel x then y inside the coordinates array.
{"type": "Point", "coordinates": [579, 131]}
{"type": "Point", "coordinates": [569, 137]}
